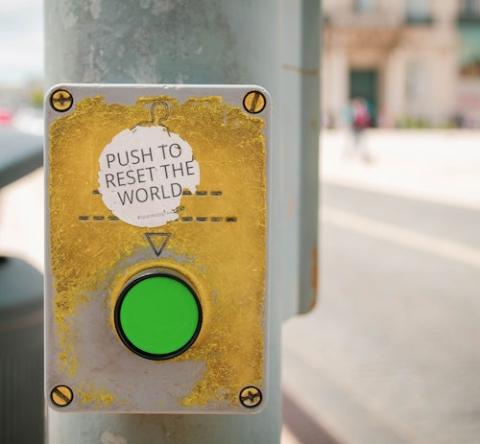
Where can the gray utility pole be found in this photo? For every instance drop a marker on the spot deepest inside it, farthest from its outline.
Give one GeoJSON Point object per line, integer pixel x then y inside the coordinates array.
{"type": "Point", "coordinates": [273, 43]}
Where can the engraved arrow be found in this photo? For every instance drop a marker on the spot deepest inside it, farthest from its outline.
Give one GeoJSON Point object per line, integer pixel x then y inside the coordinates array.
{"type": "Point", "coordinates": [157, 241]}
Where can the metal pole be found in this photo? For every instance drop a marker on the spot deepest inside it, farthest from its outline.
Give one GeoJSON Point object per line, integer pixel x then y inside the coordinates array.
{"type": "Point", "coordinates": [184, 41]}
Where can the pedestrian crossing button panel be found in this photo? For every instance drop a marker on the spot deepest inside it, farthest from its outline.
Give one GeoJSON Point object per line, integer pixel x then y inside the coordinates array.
{"type": "Point", "coordinates": [157, 272]}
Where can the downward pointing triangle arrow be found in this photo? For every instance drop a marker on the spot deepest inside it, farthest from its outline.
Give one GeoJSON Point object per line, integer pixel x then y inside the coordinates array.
{"type": "Point", "coordinates": [157, 241]}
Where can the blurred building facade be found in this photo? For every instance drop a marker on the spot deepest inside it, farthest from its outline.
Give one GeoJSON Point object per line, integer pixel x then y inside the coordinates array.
{"type": "Point", "coordinates": [416, 62]}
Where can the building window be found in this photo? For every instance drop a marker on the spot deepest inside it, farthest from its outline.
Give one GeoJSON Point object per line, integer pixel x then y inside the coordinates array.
{"type": "Point", "coordinates": [363, 6]}
{"type": "Point", "coordinates": [471, 7]}
{"type": "Point", "coordinates": [418, 11]}
{"type": "Point", "coordinates": [469, 11]}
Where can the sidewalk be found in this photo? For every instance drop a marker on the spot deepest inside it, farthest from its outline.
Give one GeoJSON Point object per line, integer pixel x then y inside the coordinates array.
{"type": "Point", "coordinates": [437, 165]}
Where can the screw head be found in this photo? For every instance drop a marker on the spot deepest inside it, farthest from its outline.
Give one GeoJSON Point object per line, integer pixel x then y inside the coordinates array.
{"type": "Point", "coordinates": [250, 397]}
{"type": "Point", "coordinates": [61, 100]}
{"type": "Point", "coordinates": [254, 102]}
{"type": "Point", "coordinates": [61, 395]}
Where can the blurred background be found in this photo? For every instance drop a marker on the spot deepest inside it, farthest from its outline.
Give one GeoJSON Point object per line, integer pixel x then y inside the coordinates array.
{"type": "Point", "coordinates": [391, 352]}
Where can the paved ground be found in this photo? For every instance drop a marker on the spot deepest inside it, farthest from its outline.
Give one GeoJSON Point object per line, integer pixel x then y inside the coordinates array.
{"type": "Point", "coordinates": [440, 166]}
{"type": "Point", "coordinates": [391, 354]}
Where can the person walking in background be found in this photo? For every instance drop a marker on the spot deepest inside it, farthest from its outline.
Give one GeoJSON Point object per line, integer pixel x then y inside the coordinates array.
{"type": "Point", "coordinates": [358, 120]}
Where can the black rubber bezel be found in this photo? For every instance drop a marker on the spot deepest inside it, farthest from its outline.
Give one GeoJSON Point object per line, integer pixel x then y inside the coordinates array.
{"type": "Point", "coordinates": [134, 348]}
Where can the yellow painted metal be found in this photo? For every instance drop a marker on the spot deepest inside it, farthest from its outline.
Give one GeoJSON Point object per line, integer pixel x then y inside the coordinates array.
{"type": "Point", "coordinates": [223, 231]}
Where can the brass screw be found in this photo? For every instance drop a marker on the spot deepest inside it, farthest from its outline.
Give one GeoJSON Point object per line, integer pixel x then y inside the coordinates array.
{"type": "Point", "coordinates": [250, 397]}
{"type": "Point", "coordinates": [254, 102]}
{"type": "Point", "coordinates": [61, 395]}
{"type": "Point", "coordinates": [61, 100]}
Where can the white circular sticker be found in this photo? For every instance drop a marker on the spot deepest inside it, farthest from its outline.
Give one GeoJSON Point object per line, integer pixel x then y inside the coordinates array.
{"type": "Point", "coordinates": [143, 173]}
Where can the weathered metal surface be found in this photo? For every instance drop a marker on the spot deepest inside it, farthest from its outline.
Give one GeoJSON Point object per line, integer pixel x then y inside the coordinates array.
{"type": "Point", "coordinates": [204, 41]}
{"type": "Point", "coordinates": [218, 242]}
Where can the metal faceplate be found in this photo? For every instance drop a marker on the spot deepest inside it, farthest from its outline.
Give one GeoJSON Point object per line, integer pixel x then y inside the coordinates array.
{"type": "Point", "coordinates": [209, 230]}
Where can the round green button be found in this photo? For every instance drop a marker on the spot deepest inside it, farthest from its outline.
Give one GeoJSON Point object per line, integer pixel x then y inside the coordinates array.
{"type": "Point", "coordinates": [158, 316]}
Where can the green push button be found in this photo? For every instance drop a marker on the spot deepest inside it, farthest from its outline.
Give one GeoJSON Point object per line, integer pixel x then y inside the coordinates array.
{"type": "Point", "coordinates": [158, 316]}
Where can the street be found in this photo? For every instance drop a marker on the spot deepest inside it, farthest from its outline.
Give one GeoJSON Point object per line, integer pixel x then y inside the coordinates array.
{"type": "Point", "coordinates": [390, 354]}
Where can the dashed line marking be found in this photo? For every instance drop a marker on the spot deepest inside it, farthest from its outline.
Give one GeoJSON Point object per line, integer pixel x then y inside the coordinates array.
{"type": "Point", "coordinates": [201, 219]}
{"type": "Point", "coordinates": [186, 193]}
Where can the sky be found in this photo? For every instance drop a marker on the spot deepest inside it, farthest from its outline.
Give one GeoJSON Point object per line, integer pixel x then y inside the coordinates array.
{"type": "Point", "coordinates": [21, 40]}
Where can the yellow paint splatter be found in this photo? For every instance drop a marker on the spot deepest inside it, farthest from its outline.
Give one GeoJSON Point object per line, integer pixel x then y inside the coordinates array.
{"type": "Point", "coordinates": [229, 259]}
{"type": "Point", "coordinates": [91, 395]}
